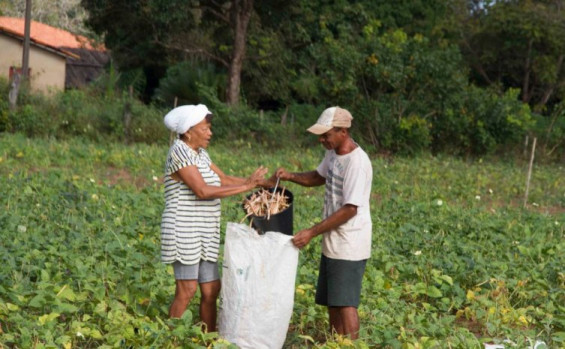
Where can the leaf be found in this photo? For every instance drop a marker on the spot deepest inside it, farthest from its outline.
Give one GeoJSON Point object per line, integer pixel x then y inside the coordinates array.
{"type": "Point", "coordinates": [65, 341]}
{"type": "Point", "coordinates": [187, 317]}
{"type": "Point", "coordinates": [470, 295]}
{"type": "Point", "coordinates": [434, 292]}
{"type": "Point", "coordinates": [47, 318]}
{"type": "Point", "coordinates": [101, 308]}
{"type": "Point", "coordinates": [307, 338]}
{"type": "Point", "coordinates": [67, 293]}
{"type": "Point", "coordinates": [12, 307]}
{"type": "Point", "coordinates": [447, 279]}
{"type": "Point", "coordinates": [37, 302]}
{"type": "Point", "coordinates": [94, 333]}
{"type": "Point", "coordinates": [66, 308]}
{"type": "Point", "coordinates": [45, 276]}
{"type": "Point", "coordinates": [559, 337]}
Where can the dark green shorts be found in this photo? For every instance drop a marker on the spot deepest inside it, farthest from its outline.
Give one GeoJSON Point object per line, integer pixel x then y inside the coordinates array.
{"type": "Point", "coordinates": [339, 282]}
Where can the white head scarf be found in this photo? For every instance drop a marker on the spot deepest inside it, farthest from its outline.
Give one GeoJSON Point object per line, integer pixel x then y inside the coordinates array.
{"type": "Point", "coordinates": [182, 118]}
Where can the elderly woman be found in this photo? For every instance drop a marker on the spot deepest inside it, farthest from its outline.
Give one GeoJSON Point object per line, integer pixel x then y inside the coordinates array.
{"type": "Point", "coordinates": [190, 227]}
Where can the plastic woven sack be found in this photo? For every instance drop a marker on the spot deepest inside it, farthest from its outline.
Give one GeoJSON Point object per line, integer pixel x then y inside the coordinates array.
{"type": "Point", "coordinates": [257, 296]}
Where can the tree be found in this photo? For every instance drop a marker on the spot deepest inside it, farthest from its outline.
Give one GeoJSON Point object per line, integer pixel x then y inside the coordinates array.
{"type": "Point", "coordinates": [518, 44]}
{"type": "Point", "coordinates": [65, 14]}
{"type": "Point", "coordinates": [156, 33]}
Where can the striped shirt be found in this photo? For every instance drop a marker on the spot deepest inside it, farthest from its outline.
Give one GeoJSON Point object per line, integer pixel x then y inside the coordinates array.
{"type": "Point", "coordinates": [190, 227]}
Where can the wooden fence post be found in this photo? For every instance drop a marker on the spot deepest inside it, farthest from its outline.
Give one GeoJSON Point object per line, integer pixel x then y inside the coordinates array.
{"type": "Point", "coordinates": [530, 172]}
{"type": "Point", "coordinates": [127, 115]}
{"type": "Point", "coordinates": [172, 135]}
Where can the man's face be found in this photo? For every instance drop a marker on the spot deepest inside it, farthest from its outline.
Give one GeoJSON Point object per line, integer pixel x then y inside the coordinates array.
{"type": "Point", "coordinates": [333, 138]}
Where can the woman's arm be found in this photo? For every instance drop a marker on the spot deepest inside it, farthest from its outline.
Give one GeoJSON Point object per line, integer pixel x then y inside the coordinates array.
{"type": "Point", "coordinates": [227, 179]}
{"type": "Point", "coordinates": [233, 180]}
{"type": "Point", "coordinates": [193, 179]}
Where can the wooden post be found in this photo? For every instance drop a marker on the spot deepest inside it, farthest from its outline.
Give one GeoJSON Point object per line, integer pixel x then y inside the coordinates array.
{"type": "Point", "coordinates": [14, 90]}
{"type": "Point", "coordinates": [284, 116]}
{"type": "Point", "coordinates": [172, 135]}
{"type": "Point", "coordinates": [127, 115]}
{"type": "Point", "coordinates": [530, 172]}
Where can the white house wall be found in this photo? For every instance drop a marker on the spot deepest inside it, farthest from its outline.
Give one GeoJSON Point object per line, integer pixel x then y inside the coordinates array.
{"type": "Point", "coordinates": [47, 68]}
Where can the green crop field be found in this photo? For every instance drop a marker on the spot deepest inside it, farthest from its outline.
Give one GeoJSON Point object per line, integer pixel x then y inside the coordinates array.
{"type": "Point", "coordinates": [457, 261]}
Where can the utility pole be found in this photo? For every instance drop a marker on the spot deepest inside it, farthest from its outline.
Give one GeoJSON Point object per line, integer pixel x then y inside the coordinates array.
{"type": "Point", "coordinates": [27, 30]}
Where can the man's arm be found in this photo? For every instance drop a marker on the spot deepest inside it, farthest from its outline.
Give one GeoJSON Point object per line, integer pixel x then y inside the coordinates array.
{"type": "Point", "coordinates": [339, 217]}
{"type": "Point", "coordinates": [307, 179]}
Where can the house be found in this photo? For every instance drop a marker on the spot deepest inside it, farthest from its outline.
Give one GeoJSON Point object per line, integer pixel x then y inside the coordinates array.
{"type": "Point", "coordinates": [58, 59]}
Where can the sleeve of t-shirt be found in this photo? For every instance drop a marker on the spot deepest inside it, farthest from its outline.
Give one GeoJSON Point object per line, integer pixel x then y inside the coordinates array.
{"type": "Point", "coordinates": [205, 156]}
{"type": "Point", "coordinates": [354, 185]}
{"type": "Point", "coordinates": [323, 167]}
{"type": "Point", "coordinates": [179, 157]}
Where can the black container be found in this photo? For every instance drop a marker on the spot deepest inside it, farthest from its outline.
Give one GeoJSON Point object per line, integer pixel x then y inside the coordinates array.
{"type": "Point", "coordinates": [280, 222]}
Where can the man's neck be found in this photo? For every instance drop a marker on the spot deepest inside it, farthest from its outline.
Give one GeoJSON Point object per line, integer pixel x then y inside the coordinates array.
{"type": "Point", "coordinates": [346, 147]}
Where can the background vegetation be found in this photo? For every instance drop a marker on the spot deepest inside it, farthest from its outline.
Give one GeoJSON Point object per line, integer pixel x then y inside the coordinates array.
{"type": "Point", "coordinates": [462, 77]}
{"type": "Point", "coordinates": [460, 86]}
{"type": "Point", "coordinates": [457, 262]}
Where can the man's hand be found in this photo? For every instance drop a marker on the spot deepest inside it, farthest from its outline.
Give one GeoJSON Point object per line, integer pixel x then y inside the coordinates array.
{"type": "Point", "coordinates": [303, 237]}
{"type": "Point", "coordinates": [283, 174]}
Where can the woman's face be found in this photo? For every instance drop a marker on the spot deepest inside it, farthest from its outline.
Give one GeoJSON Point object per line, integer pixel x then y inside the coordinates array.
{"type": "Point", "coordinates": [200, 134]}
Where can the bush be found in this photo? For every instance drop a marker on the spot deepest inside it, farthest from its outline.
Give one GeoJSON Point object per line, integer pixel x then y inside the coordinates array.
{"type": "Point", "coordinates": [412, 136]}
{"type": "Point", "coordinates": [466, 120]}
{"type": "Point", "coordinates": [86, 112]}
{"type": "Point", "coordinates": [480, 121]}
{"type": "Point", "coordinates": [181, 81]}
{"type": "Point", "coordinates": [550, 131]}
{"type": "Point", "coordinates": [147, 124]}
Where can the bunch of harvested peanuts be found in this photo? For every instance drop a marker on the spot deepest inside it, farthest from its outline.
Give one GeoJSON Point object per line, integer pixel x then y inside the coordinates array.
{"type": "Point", "coordinates": [265, 203]}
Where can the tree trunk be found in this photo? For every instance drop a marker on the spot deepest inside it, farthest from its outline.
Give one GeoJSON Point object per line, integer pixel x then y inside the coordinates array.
{"type": "Point", "coordinates": [549, 91]}
{"type": "Point", "coordinates": [241, 13]}
{"type": "Point", "coordinates": [527, 71]}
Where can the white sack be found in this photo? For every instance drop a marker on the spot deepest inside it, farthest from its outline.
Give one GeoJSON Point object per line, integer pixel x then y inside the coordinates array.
{"type": "Point", "coordinates": [257, 294]}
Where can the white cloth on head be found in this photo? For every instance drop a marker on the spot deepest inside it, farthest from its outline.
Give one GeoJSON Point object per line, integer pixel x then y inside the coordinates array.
{"type": "Point", "coordinates": [182, 118]}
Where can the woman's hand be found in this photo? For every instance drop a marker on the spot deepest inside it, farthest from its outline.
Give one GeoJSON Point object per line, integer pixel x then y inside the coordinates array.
{"type": "Point", "coordinates": [257, 177]}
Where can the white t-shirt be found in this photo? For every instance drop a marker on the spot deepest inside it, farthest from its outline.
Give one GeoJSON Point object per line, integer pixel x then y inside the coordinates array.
{"type": "Point", "coordinates": [348, 181]}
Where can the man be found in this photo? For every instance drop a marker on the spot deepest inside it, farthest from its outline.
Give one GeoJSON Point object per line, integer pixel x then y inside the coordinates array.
{"type": "Point", "coordinates": [346, 228]}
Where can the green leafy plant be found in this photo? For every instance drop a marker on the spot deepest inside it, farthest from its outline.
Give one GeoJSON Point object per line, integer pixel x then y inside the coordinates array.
{"type": "Point", "coordinates": [456, 260]}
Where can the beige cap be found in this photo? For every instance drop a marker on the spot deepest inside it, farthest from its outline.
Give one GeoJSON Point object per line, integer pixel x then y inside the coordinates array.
{"type": "Point", "coordinates": [330, 118]}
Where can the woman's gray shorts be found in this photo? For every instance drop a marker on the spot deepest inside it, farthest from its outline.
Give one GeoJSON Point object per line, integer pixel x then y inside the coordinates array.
{"type": "Point", "coordinates": [203, 271]}
{"type": "Point", "coordinates": [339, 282]}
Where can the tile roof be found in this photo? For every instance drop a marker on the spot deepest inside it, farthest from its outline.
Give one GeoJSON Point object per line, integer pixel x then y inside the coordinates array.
{"type": "Point", "coordinates": [47, 35]}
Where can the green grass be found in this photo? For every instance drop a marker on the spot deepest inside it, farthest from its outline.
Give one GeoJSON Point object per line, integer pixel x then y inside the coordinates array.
{"type": "Point", "coordinates": [457, 261]}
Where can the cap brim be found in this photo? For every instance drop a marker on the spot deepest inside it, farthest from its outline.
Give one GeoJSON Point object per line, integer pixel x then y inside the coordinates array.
{"type": "Point", "coordinates": [318, 129]}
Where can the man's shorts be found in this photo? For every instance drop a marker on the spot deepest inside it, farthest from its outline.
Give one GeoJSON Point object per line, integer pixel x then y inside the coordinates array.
{"type": "Point", "coordinates": [339, 282]}
{"type": "Point", "coordinates": [203, 271]}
